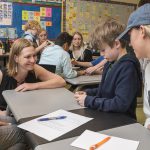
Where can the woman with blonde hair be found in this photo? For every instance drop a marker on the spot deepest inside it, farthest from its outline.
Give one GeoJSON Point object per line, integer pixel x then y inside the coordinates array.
{"type": "Point", "coordinates": [78, 50]}
{"type": "Point", "coordinates": [22, 72]}
{"type": "Point", "coordinates": [43, 36]}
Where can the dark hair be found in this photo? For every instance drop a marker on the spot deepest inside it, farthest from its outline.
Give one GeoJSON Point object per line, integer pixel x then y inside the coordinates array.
{"type": "Point", "coordinates": [63, 38]}
{"type": "Point", "coordinates": [142, 2]}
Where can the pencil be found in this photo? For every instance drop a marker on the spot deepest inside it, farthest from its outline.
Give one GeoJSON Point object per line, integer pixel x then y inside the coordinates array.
{"type": "Point", "coordinates": [97, 145]}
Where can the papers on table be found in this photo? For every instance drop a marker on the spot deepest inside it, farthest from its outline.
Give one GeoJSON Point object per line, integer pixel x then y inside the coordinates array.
{"type": "Point", "coordinates": [89, 138]}
{"type": "Point", "coordinates": [52, 129]}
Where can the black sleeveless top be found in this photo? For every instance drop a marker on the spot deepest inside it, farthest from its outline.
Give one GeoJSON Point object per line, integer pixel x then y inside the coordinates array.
{"type": "Point", "coordinates": [9, 83]}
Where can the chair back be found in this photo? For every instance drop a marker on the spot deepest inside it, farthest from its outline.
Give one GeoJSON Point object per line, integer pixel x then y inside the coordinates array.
{"type": "Point", "coordinates": [51, 68]}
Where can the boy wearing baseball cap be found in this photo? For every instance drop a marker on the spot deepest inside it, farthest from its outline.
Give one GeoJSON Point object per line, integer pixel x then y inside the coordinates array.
{"type": "Point", "coordinates": [138, 31]}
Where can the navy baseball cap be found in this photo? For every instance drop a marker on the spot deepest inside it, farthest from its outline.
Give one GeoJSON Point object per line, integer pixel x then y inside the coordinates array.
{"type": "Point", "coordinates": [141, 16]}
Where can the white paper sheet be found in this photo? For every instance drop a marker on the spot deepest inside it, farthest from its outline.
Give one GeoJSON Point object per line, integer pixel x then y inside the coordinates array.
{"type": "Point", "coordinates": [89, 138]}
{"type": "Point", "coordinates": [54, 128]}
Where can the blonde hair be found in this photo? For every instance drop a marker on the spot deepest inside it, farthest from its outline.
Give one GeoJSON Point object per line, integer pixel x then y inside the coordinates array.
{"type": "Point", "coordinates": [16, 49]}
{"type": "Point", "coordinates": [41, 30]}
{"type": "Point", "coordinates": [32, 24]}
{"type": "Point", "coordinates": [82, 46]}
{"type": "Point", "coordinates": [106, 32]}
{"type": "Point", "coordinates": [147, 30]}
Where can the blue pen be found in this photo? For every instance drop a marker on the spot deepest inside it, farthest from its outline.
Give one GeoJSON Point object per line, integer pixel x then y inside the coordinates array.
{"type": "Point", "coordinates": [52, 118]}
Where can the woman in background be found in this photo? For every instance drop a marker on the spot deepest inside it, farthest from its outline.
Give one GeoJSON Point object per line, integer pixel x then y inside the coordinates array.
{"type": "Point", "coordinates": [78, 50]}
{"type": "Point", "coordinates": [42, 37]}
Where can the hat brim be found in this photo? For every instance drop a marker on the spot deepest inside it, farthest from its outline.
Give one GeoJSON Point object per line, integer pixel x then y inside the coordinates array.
{"type": "Point", "coordinates": [124, 35]}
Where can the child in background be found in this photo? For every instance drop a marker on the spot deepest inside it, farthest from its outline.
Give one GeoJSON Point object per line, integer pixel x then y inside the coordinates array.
{"type": "Point", "coordinates": [78, 50]}
{"type": "Point", "coordinates": [32, 28]}
{"type": "Point", "coordinates": [121, 78]}
{"type": "Point", "coordinates": [138, 29]}
{"type": "Point", "coordinates": [42, 37]}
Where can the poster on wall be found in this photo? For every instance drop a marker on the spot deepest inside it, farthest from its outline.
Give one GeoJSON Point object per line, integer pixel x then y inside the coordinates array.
{"type": "Point", "coordinates": [95, 10]}
{"type": "Point", "coordinates": [6, 12]}
{"type": "Point", "coordinates": [36, 1]}
{"type": "Point", "coordinates": [56, 1]}
{"type": "Point", "coordinates": [43, 16]}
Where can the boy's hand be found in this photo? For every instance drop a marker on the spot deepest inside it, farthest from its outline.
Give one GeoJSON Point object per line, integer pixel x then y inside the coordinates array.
{"type": "Point", "coordinates": [80, 97]}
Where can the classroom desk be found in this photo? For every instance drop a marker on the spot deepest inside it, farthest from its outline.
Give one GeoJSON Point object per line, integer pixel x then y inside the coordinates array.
{"type": "Point", "coordinates": [79, 82]}
{"type": "Point", "coordinates": [39, 102]}
{"type": "Point", "coordinates": [101, 121]}
{"type": "Point", "coordinates": [133, 132]}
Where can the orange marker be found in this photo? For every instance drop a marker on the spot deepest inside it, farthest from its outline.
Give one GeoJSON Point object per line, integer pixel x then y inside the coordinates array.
{"type": "Point", "coordinates": [97, 145]}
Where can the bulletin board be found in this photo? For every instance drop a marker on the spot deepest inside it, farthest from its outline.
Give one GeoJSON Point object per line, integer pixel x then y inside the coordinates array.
{"type": "Point", "coordinates": [83, 15]}
{"type": "Point", "coordinates": [48, 16]}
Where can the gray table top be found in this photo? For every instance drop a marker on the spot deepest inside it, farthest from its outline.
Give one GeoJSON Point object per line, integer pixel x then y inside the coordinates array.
{"type": "Point", "coordinates": [86, 80]}
{"type": "Point", "coordinates": [39, 102]}
{"type": "Point", "coordinates": [133, 132]}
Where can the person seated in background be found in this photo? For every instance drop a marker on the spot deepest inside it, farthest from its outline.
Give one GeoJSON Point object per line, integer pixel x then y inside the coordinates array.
{"type": "Point", "coordinates": [57, 55]}
{"type": "Point", "coordinates": [93, 67]}
{"type": "Point", "coordinates": [32, 29]}
{"type": "Point", "coordinates": [42, 37]}
{"type": "Point", "coordinates": [78, 50]}
{"type": "Point", "coordinates": [121, 79]}
{"type": "Point", "coordinates": [22, 72]}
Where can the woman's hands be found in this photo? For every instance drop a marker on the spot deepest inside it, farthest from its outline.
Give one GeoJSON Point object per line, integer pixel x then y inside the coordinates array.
{"type": "Point", "coordinates": [26, 87]}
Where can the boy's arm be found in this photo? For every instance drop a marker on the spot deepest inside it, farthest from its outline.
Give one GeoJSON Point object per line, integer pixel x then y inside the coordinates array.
{"type": "Point", "coordinates": [91, 92]}
{"type": "Point", "coordinates": [83, 64]}
{"type": "Point", "coordinates": [93, 69]}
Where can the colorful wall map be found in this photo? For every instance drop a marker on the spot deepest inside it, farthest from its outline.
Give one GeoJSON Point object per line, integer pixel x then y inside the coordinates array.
{"type": "Point", "coordinates": [83, 15]}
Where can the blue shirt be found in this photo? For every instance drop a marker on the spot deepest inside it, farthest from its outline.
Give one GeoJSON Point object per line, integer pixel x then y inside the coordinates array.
{"type": "Point", "coordinates": [98, 60]}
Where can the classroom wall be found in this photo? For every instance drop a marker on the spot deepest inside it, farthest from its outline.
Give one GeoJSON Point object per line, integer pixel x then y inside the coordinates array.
{"type": "Point", "coordinates": [127, 1]}
{"type": "Point", "coordinates": [90, 13]}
